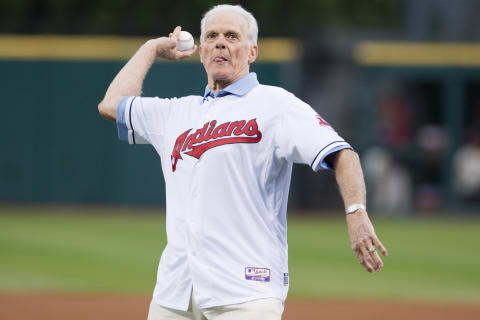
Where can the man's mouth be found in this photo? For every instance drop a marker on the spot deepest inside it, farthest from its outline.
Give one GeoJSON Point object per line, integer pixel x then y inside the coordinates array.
{"type": "Point", "coordinates": [220, 59]}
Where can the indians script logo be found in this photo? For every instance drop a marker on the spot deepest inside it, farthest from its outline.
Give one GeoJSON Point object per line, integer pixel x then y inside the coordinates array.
{"type": "Point", "coordinates": [211, 136]}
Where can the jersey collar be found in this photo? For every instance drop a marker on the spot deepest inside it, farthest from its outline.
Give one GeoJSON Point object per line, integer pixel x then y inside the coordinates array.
{"type": "Point", "coordinates": [239, 88]}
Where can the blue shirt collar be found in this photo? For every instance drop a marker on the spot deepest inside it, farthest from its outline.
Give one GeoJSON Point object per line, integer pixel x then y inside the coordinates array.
{"type": "Point", "coordinates": [239, 88]}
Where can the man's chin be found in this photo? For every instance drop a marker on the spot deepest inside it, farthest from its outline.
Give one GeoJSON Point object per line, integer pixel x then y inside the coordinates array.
{"type": "Point", "coordinates": [221, 76]}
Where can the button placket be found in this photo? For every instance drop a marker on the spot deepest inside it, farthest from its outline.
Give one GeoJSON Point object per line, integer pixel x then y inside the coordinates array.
{"type": "Point", "coordinates": [194, 229]}
{"type": "Point", "coordinates": [207, 114]}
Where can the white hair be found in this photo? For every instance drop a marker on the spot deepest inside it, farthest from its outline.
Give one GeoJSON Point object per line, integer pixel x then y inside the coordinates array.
{"type": "Point", "coordinates": [252, 25]}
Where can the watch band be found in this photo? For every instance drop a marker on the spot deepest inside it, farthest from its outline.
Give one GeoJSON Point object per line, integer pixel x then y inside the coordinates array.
{"type": "Point", "coordinates": [354, 207]}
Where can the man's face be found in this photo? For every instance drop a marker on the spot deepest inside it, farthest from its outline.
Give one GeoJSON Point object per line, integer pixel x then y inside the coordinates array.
{"type": "Point", "coordinates": [226, 53]}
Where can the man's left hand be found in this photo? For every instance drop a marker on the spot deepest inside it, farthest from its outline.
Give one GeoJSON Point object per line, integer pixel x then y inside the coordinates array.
{"type": "Point", "coordinates": [364, 241]}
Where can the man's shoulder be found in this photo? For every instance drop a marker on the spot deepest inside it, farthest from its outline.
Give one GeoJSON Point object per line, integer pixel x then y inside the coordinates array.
{"type": "Point", "coordinates": [177, 102]}
{"type": "Point", "coordinates": [187, 99]}
{"type": "Point", "coordinates": [278, 96]}
{"type": "Point", "coordinates": [273, 90]}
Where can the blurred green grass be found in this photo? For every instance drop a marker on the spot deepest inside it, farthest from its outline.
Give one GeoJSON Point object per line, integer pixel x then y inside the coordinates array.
{"type": "Point", "coordinates": [97, 250]}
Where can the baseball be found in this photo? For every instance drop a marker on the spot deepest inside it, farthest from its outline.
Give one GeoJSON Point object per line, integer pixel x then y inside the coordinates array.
{"type": "Point", "coordinates": [185, 41]}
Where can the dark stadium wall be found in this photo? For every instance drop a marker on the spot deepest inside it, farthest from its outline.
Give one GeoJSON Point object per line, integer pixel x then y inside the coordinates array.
{"type": "Point", "coordinates": [57, 148]}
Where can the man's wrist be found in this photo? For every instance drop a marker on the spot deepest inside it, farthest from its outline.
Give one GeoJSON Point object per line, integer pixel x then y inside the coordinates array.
{"type": "Point", "coordinates": [354, 208]}
{"type": "Point", "coordinates": [151, 46]}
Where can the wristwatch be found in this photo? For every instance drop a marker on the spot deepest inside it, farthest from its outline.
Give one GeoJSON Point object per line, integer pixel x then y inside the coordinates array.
{"type": "Point", "coordinates": [354, 207]}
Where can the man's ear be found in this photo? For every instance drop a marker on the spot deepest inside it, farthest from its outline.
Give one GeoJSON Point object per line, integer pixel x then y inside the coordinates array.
{"type": "Point", "coordinates": [200, 50]}
{"type": "Point", "coordinates": [252, 55]}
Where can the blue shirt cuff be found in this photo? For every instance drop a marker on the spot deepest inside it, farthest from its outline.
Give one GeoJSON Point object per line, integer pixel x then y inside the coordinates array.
{"type": "Point", "coordinates": [324, 163]}
{"type": "Point", "coordinates": [121, 125]}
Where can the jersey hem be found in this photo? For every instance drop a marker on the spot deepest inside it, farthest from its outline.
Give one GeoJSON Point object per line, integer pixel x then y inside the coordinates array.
{"type": "Point", "coordinates": [218, 304]}
{"type": "Point", "coordinates": [168, 305]}
{"type": "Point", "coordinates": [238, 301]}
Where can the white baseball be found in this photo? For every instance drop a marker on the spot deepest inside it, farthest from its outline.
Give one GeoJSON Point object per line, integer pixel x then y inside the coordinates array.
{"type": "Point", "coordinates": [185, 41]}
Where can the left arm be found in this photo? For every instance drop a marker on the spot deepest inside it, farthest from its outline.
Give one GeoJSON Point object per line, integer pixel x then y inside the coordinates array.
{"type": "Point", "coordinates": [349, 176]}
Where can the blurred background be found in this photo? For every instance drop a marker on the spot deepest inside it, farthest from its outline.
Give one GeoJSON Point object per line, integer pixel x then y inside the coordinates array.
{"type": "Point", "coordinates": [399, 79]}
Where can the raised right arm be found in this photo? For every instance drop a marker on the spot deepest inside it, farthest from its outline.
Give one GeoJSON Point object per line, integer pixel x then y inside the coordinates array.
{"type": "Point", "coordinates": [129, 81]}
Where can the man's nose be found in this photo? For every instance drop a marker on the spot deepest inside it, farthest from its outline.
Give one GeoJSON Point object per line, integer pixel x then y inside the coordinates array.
{"type": "Point", "coordinates": [220, 43]}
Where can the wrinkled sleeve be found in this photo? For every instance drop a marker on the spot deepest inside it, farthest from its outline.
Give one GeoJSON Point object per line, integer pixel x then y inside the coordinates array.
{"type": "Point", "coordinates": [142, 120]}
{"type": "Point", "coordinates": [305, 137]}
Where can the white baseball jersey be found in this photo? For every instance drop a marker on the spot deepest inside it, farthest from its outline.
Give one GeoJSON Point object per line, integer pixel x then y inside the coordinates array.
{"type": "Point", "coordinates": [227, 161]}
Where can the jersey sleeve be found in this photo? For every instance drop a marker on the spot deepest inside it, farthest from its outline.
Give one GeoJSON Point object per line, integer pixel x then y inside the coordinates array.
{"type": "Point", "coordinates": [305, 137]}
{"type": "Point", "coordinates": [142, 120]}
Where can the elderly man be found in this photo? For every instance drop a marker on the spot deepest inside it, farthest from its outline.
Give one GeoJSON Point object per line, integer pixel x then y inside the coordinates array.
{"type": "Point", "coordinates": [227, 159]}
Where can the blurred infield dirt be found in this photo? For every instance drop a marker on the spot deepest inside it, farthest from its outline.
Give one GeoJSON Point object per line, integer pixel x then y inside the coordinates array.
{"type": "Point", "coordinates": [122, 307]}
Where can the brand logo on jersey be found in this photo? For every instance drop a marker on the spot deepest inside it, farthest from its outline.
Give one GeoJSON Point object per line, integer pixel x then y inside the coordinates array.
{"type": "Point", "coordinates": [257, 274]}
{"type": "Point", "coordinates": [211, 136]}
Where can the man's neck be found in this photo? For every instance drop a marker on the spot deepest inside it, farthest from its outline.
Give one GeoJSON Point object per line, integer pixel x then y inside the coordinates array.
{"type": "Point", "coordinates": [217, 85]}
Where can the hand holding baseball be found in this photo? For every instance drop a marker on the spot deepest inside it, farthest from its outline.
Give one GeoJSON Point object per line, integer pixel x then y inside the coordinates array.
{"type": "Point", "coordinates": [364, 241]}
{"type": "Point", "coordinates": [168, 48]}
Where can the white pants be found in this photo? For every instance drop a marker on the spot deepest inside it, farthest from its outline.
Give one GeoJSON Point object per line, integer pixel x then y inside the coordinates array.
{"type": "Point", "coordinates": [264, 309]}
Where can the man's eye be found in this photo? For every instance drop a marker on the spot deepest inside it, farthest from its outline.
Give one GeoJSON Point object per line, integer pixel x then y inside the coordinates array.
{"type": "Point", "coordinates": [232, 36]}
{"type": "Point", "coordinates": [211, 35]}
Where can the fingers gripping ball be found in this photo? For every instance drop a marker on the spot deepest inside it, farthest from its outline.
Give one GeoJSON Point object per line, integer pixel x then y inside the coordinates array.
{"type": "Point", "coordinates": [185, 41]}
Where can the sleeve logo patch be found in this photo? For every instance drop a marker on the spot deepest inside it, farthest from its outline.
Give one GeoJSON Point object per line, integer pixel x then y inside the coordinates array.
{"type": "Point", "coordinates": [257, 274]}
{"type": "Point", "coordinates": [322, 122]}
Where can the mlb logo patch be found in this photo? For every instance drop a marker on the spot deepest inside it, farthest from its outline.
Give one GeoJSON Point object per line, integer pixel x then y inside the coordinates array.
{"type": "Point", "coordinates": [257, 274]}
